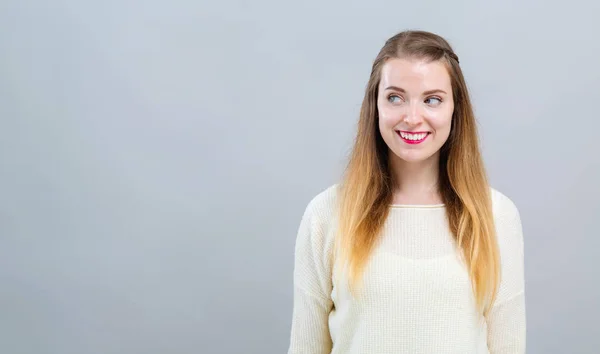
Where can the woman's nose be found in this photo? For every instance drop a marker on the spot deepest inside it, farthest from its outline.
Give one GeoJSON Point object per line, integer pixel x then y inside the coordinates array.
{"type": "Point", "coordinates": [413, 116]}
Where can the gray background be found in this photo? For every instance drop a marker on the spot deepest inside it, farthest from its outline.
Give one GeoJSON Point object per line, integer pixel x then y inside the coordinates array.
{"type": "Point", "coordinates": [156, 158]}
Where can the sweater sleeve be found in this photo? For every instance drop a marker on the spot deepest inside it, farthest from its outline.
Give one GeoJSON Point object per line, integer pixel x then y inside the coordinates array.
{"type": "Point", "coordinates": [506, 320]}
{"type": "Point", "coordinates": [312, 284]}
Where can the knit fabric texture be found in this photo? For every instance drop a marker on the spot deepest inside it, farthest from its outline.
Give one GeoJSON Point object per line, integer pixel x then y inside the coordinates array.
{"type": "Point", "coordinates": [415, 296]}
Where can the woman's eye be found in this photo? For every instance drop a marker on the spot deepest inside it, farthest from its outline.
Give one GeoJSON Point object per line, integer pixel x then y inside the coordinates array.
{"type": "Point", "coordinates": [433, 101]}
{"type": "Point", "coordinates": [394, 98]}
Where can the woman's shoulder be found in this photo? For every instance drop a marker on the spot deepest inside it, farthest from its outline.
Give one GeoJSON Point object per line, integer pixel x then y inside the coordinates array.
{"type": "Point", "coordinates": [320, 212]}
{"type": "Point", "coordinates": [502, 204]}
{"type": "Point", "coordinates": [507, 218]}
{"type": "Point", "coordinates": [321, 206]}
{"type": "Point", "coordinates": [315, 233]}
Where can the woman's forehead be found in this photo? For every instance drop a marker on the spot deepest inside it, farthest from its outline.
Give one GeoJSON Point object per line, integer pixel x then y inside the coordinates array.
{"type": "Point", "coordinates": [415, 74]}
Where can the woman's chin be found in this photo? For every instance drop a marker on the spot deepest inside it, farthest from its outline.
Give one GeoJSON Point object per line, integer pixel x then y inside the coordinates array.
{"type": "Point", "coordinates": [413, 156]}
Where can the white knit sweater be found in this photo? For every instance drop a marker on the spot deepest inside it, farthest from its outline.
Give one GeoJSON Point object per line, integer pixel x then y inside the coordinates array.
{"type": "Point", "coordinates": [416, 294]}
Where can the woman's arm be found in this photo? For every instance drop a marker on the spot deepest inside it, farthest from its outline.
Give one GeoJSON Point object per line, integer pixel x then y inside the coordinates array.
{"type": "Point", "coordinates": [312, 282]}
{"type": "Point", "coordinates": [507, 320]}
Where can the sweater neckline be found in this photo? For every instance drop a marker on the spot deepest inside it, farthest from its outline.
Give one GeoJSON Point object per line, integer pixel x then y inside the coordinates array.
{"type": "Point", "coordinates": [417, 206]}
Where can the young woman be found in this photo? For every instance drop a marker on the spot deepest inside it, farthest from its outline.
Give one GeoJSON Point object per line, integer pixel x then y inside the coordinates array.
{"type": "Point", "coordinates": [413, 251]}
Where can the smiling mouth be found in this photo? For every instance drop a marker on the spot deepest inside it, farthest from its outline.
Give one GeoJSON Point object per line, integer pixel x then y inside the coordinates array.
{"type": "Point", "coordinates": [413, 137]}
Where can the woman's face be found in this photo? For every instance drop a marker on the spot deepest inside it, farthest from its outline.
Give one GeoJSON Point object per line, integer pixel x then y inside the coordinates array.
{"type": "Point", "coordinates": [415, 106]}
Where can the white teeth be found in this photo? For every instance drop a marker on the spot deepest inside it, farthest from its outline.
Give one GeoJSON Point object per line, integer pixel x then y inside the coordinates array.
{"type": "Point", "coordinates": [413, 136]}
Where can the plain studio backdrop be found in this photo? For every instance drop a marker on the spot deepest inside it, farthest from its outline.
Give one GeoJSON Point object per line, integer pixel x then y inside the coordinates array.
{"type": "Point", "coordinates": [156, 158]}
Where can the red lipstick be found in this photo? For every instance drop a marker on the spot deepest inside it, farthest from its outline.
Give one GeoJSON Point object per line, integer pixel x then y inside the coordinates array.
{"type": "Point", "coordinates": [408, 137]}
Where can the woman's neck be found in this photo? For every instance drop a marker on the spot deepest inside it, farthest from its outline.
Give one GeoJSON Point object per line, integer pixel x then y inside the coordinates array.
{"type": "Point", "coordinates": [416, 182]}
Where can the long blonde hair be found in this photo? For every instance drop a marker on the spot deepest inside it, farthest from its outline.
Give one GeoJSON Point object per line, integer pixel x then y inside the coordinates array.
{"type": "Point", "coordinates": [366, 188]}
